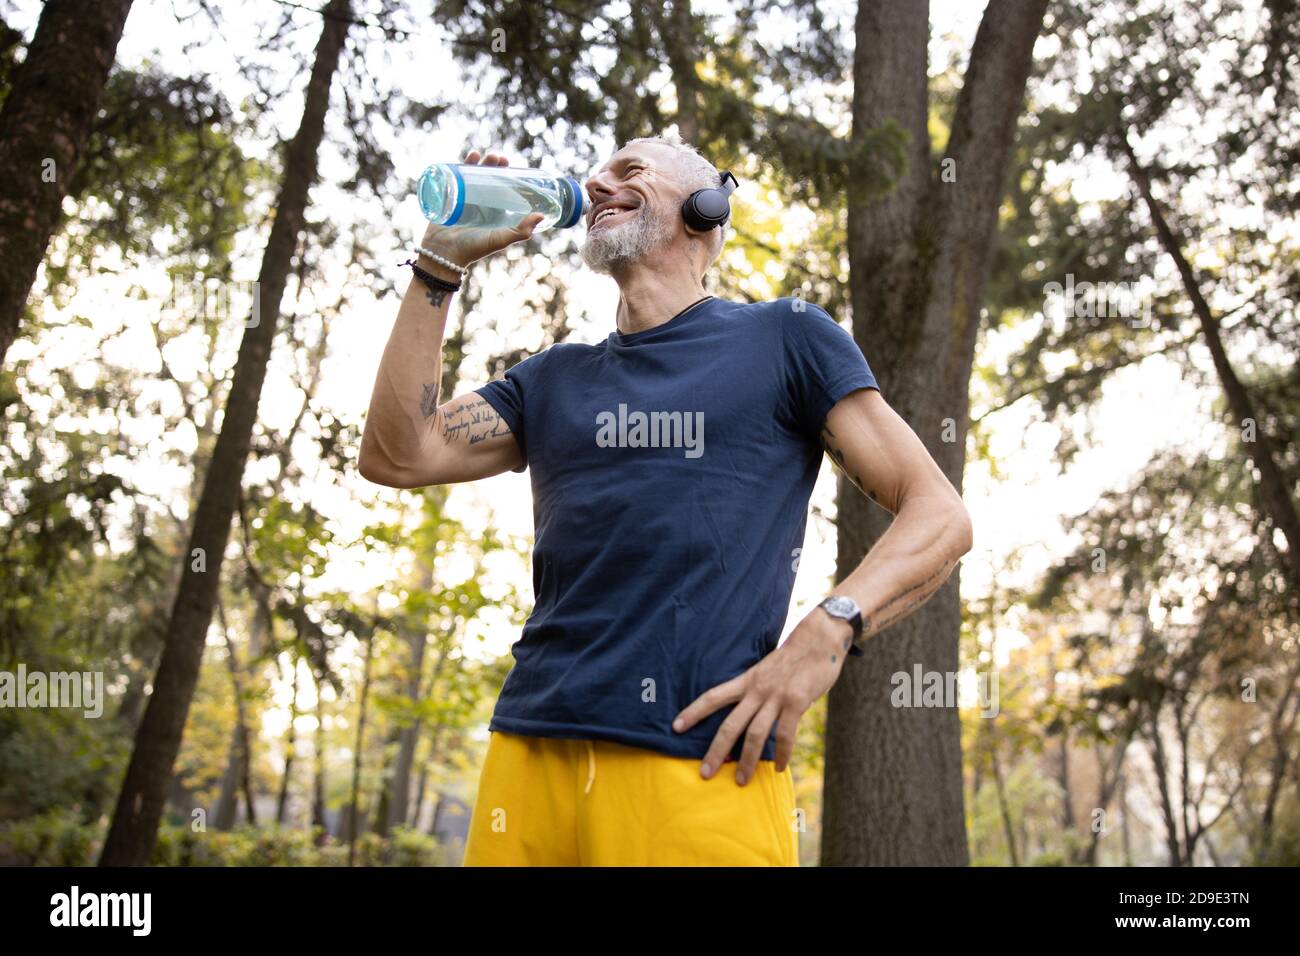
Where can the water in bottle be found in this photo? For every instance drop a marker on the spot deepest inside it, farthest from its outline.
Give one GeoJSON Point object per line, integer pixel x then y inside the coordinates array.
{"type": "Point", "coordinates": [458, 194]}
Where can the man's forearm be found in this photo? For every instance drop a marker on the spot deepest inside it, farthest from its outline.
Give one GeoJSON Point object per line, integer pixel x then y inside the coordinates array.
{"type": "Point", "coordinates": [405, 397]}
{"type": "Point", "coordinates": [910, 561]}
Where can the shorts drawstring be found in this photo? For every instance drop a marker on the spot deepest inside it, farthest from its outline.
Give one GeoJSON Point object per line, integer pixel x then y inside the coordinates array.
{"type": "Point", "coordinates": [591, 766]}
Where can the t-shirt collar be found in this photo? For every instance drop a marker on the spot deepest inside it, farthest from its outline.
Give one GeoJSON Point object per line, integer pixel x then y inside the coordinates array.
{"type": "Point", "coordinates": [630, 338]}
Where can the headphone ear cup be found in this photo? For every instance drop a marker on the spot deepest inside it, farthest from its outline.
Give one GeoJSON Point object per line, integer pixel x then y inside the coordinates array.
{"type": "Point", "coordinates": [706, 209]}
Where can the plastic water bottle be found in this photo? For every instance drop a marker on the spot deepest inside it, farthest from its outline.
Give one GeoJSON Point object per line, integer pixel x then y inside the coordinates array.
{"type": "Point", "coordinates": [460, 194]}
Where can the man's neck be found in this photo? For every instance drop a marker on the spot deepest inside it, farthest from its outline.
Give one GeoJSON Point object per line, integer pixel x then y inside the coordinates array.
{"type": "Point", "coordinates": [650, 296]}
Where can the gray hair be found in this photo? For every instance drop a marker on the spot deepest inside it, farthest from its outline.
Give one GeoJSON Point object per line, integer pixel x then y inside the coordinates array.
{"type": "Point", "coordinates": [697, 173]}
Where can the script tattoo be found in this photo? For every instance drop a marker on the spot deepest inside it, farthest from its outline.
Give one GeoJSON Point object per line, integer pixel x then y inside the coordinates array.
{"type": "Point", "coordinates": [903, 603]}
{"type": "Point", "coordinates": [476, 420]}
{"type": "Point", "coordinates": [837, 456]}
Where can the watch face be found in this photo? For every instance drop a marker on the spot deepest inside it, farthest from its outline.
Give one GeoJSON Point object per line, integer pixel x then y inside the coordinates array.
{"type": "Point", "coordinates": [840, 606]}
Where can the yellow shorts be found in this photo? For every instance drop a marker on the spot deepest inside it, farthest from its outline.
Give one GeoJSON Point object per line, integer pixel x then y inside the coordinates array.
{"type": "Point", "coordinates": [549, 801]}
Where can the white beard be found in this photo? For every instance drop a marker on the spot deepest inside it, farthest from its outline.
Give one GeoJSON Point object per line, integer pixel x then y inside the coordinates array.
{"type": "Point", "coordinates": [616, 246]}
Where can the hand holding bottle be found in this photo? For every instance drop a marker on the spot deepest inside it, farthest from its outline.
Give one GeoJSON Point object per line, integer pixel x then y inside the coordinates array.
{"type": "Point", "coordinates": [467, 243]}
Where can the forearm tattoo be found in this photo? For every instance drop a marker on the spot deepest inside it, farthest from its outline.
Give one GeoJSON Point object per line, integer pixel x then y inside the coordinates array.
{"type": "Point", "coordinates": [428, 399]}
{"type": "Point", "coordinates": [837, 455]}
{"type": "Point", "coordinates": [429, 391]}
{"type": "Point", "coordinates": [903, 603]}
{"type": "Point", "coordinates": [475, 421]}
{"type": "Point", "coordinates": [909, 599]}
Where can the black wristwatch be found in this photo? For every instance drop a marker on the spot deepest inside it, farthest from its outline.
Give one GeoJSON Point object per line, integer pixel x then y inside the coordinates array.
{"type": "Point", "coordinates": [846, 609]}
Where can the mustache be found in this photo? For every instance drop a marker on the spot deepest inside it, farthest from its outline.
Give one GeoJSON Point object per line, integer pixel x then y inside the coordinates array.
{"type": "Point", "coordinates": [626, 242]}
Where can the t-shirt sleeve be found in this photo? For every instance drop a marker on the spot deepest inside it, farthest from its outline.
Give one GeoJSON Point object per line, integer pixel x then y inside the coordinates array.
{"type": "Point", "coordinates": [508, 396]}
{"type": "Point", "coordinates": [823, 363]}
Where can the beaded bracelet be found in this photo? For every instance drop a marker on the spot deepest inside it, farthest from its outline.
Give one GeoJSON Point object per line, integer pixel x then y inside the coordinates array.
{"type": "Point", "coordinates": [431, 280]}
{"type": "Point", "coordinates": [441, 260]}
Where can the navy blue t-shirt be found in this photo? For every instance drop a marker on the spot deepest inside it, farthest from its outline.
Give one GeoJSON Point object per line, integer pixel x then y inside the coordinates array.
{"type": "Point", "coordinates": [671, 472]}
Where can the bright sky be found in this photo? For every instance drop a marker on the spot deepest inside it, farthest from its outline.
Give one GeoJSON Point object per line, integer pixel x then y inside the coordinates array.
{"type": "Point", "coordinates": [1143, 407]}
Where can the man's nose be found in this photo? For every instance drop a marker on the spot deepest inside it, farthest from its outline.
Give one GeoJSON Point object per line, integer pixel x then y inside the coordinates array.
{"type": "Point", "coordinates": [598, 188]}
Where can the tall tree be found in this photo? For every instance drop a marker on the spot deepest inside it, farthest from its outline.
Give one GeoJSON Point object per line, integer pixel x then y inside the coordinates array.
{"type": "Point", "coordinates": [352, 821]}
{"type": "Point", "coordinates": [261, 630]}
{"type": "Point", "coordinates": [919, 262]}
{"type": "Point", "coordinates": [164, 159]}
{"type": "Point", "coordinates": [1208, 148]}
{"type": "Point", "coordinates": [1277, 494]}
{"type": "Point", "coordinates": [140, 804]}
{"type": "Point", "coordinates": [45, 124]}
{"type": "Point", "coordinates": [395, 802]}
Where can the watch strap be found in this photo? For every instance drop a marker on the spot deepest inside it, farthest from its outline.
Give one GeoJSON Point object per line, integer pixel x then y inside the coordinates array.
{"type": "Point", "coordinates": [855, 649]}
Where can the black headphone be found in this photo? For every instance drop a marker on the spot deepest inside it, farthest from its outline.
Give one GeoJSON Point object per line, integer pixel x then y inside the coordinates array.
{"type": "Point", "coordinates": [706, 209]}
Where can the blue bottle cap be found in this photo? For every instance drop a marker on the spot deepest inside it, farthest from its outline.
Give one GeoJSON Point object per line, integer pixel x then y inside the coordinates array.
{"type": "Point", "coordinates": [460, 198]}
{"type": "Point", "coordinates": [576, 190]}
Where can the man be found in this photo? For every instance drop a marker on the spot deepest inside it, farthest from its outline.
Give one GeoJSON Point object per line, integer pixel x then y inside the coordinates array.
{"type": "Point", "coordinates": [671, 470]}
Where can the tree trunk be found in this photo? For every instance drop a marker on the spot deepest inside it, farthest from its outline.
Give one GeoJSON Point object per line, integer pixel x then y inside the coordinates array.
{"type": "Point", "coordinates": [919, 261]}
{"type": "Point", "coordinates": [45, 125]}
{"type": "Point", "coordinates": [1109, 776]}
{"type": "Point", "coordinates": [1008, 825]}
{"type": "Point", "coordinates": [237, 776]}
{"type": "Point", "coordinates": [454, 740]}
{"type": "Point", "coordinates": [421, 790]}
{"type": "Point", "coordinates": [236, 773]}
{"type": "Point", "coordinates": [383, 800]}
{"type": "Point", "coordinates": [437, 814]}
{"type": "Point", "coordinates": [1062, 765]}
{"type": "Point", "coordinates": [261, 633]}
{"type": "Point", "coordinates": [1277, 498]}
{"type": "Point", "coordinates": [354, 807]}
{"type": "Point", "coordinates": [1126, 835]}
{"type": "Point", "coordinates": [318, 759]}
{"type": "Point", "coordinates": [435, 736]}
{"type": "Point", "coordinates": [290, 749]}
{"type": "Point", "coordinates": [678, 37]}
{"type": "Point", "coordinates": [1172, 842]}
{"type": "Point", "coordinates": [399, 783]}
{"type": "Point", "coordinates": [135, 823]}
{"type": "Point", "coordinates": [1214, 856]}
{"type": "Point", "coordinates": [227, 809]}
{"type": "Point", "coordinates": [1281, 727]}
{"type": "Point", "coordinates": [1067, 811]}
